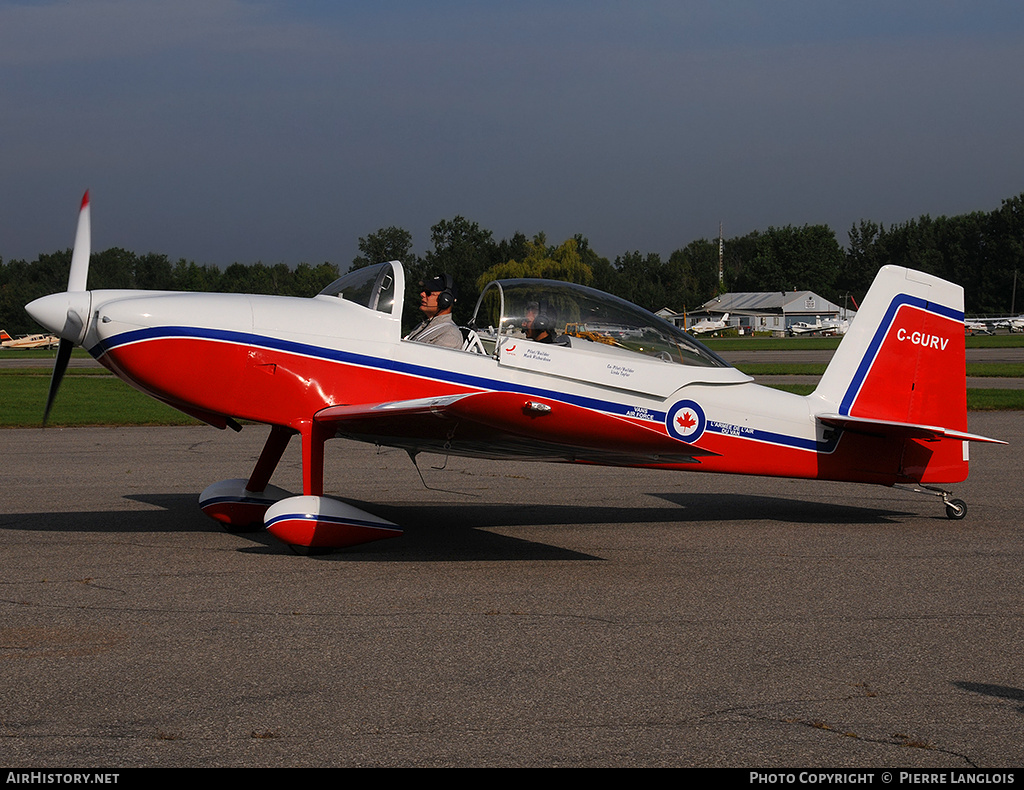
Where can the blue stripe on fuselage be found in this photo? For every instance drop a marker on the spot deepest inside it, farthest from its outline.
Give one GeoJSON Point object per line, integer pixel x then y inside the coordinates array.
{"type": "Point", "coordinates": [422, 371]}
{"type": "Point", "coordinates": [349, 358]}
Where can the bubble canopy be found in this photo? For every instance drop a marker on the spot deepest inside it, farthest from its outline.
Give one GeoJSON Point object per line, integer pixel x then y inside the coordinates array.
{"type": "Point", "coordinates": [578, 316]}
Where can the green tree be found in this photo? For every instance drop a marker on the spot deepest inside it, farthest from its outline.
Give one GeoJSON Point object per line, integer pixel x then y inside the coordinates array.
{"type": "Point", "coordinates": [154, 272]}
{"type": "Point", "coordinates": [112, 268]}
{"type": "Point", "coordinates": [1006, 257]}
{"type": "Point", "coordinates": [790, 258]}
{"type": "Point", "coordinates": [386, 244]}
{"type": "Point", "coordinates": [543, 262]}
{"type": "Point", "coordinates": [188, 276]}
{"type": "Point", "coordinates": [604, 274]}
{"type": "Point", "coordinates": [310, 280]}
{"type": "Point", "coordinates": [691, 275]}
{"type": "Point", "coordinates": [516, 248]}
{"type": "Point", "coordinates": [640, 279]}
{"type": "Point", "coordinates": [16, 290]}
{"type": "Point", "coordinates": [863, 259]}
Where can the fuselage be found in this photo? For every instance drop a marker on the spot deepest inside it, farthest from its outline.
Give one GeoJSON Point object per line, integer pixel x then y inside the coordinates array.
{"type": "Point", "coordinates": [620, 372]}
{"type": "Point", "coordinates": [280, 360]}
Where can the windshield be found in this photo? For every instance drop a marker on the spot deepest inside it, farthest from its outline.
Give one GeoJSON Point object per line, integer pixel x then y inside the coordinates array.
{"type": "Point", "coordinates": [580, 317]}
{"type": "Point", "coordinates": [371, 286]}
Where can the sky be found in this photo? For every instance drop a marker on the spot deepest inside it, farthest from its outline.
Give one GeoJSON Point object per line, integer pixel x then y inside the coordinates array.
{"type": "Point", "coordinates": [284, 130]}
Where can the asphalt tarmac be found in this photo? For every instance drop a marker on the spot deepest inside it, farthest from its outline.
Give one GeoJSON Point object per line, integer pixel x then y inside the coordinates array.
{"type": "Point", "coordinates": [531, 615]}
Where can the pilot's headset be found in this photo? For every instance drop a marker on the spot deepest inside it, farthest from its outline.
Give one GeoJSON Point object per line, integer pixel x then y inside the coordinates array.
{"type": "Point", "coordinates": [542, 323]}
{"type": "Point", "coordinates": [447, 292]}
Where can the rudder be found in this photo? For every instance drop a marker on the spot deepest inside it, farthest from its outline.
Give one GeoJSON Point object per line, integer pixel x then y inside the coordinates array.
{"type": "Point", "coordinates": [903, 358]}
{"type": "Point", "coordinates": [901, 367]}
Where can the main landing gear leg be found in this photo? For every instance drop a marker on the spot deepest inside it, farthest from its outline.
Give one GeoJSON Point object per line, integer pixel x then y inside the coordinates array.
{"type": "Point", "coordinates": [313, 523]}
{"type": "Point", "coordinates": [276, 444]}
{"type": "Point", "coordinates": [956, 509]}
{"type": "Point", "coordinates": [240, 505]}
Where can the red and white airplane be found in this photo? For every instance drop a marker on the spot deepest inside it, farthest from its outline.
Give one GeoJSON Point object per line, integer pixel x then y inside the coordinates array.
{"type": "Point", "coordinates": [890, 409]}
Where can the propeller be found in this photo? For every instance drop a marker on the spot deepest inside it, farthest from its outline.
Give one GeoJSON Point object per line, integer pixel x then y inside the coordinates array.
{"type": "Point", "coordinates": [65, 314]}
{"type": "Point", "coordinates": [63, 355]}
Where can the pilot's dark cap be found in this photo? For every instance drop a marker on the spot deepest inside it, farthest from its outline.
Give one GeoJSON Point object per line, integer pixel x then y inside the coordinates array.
{"type": "Point", "coordinates": [439, 284]}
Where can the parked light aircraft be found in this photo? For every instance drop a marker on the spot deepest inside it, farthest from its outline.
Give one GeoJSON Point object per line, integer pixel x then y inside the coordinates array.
{"type": "Point", "coordinates": [27, 341]}
{"type": "Point", "coordinates": [835, 326]}
{"type": "Point", "coordinates": [806, 327]}
{"type": "Point", "coordinates": [974, 327]}
{"type": "Point", "coordinates": [830, 326]}
{"type": "Point", "coordinates": [707, 325]}
{"type": "Point", "coordinates": [890, 409]}
{"type": "Point", "coordinates": [1012, 324]}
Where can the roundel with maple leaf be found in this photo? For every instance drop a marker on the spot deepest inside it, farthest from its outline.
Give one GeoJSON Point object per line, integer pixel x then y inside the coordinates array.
{"type": "Point", "coordinates": [685, 421]}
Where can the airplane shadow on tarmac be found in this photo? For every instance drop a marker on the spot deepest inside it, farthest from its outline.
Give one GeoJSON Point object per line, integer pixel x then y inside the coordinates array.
{"type": "Point", "coordinates": [993, 690]}
{"type": "Point", "coordinates": [459, 531]}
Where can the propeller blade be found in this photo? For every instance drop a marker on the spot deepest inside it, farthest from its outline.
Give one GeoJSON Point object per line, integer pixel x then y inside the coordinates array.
{"type": "Point", "coordinates": [83, 244]}
{"type": "Point", "coordinates": [63, 355]}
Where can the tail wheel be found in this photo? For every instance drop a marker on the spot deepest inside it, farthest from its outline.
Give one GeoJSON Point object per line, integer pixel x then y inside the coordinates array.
{"type": "Point", "coordinates": [956, 509]}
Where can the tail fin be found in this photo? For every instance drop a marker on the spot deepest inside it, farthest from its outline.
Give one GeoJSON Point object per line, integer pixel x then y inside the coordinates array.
{"type": "Point", "coordinates": [900, 372]}
{"type": "Point", "coordinates": [903, 357]}
{"type": "Point", "coordinates": [4, 337]}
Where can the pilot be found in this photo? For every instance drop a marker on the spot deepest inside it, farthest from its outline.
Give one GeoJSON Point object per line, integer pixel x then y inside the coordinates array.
{"type": "Point", "coordinates": [437, 296]}
{"type": "Point", "coordinates": [538, 326]}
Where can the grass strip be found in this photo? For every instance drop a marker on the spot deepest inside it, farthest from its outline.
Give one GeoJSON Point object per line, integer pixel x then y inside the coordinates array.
{"type": "Point", "coordinates": [977, 399]}
{"type": "Point", "coordinates": [1005, 370]}
{"type": "Point", "coordinates": [82, 400]}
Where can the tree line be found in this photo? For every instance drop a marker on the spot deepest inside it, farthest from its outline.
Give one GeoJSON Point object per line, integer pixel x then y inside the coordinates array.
{"type": "Point", "coordinates": [983, 251]}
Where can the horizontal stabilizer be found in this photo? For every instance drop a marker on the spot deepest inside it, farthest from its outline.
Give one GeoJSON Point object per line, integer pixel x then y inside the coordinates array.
{"type": "Point", "coordinates": [900, 430]}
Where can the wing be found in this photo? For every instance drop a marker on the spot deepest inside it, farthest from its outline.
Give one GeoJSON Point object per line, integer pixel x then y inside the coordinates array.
{"type": "Point", "coordinates": [509, 425]}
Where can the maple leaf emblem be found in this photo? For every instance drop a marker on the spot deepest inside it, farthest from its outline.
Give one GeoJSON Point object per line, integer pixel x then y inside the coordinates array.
{"type": "Point", "coordinates": [686, 420]}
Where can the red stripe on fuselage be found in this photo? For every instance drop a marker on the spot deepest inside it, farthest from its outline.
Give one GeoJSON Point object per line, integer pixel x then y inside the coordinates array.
{"type": "Point", "coordinates": [260, 384]}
